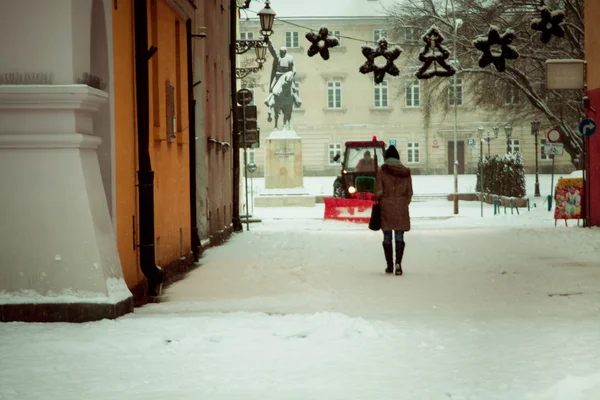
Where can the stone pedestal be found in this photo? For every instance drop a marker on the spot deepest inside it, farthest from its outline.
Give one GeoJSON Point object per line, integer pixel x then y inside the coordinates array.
{"type": "Point", "coordinates": [283, 160]}
{"type": "Point", "coordinates": [58, 251]}
{"type": "Point", "coordinates": [284, 179]}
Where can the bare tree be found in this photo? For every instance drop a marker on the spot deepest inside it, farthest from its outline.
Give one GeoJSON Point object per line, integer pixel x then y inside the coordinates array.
{"type": "Point", "coordinates": [524, 79]}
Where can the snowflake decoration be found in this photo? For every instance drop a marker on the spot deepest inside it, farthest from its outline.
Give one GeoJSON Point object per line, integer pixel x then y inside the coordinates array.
{"type": "Point", "coordinates": [549, 23]}
{"type": "Point", "coordinates": [390, 56]}
{"type": "Point", "coordinates": [434, 53]}
{"type": "Point", "coordinates": [328, 42]}
{"type": "Point", "coordinates": [494, 38]}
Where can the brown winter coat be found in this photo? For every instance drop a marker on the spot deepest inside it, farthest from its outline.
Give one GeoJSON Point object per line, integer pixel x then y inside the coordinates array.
{"type": "Point", "coordinates": [394, 191]}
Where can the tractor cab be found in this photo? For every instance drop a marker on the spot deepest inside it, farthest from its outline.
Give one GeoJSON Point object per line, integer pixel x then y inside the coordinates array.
{"type": "Point", "coordinates": [361, 161]}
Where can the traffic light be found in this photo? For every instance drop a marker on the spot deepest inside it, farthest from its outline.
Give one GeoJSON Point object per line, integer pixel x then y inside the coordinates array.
{"type": "Point", "coordinates": [248, 115]}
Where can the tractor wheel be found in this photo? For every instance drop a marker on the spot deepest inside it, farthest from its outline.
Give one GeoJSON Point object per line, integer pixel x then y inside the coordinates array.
{"type": "Point", "coordinates": [338, 189]}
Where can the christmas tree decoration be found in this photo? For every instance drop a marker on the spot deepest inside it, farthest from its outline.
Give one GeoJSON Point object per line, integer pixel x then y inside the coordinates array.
{"type": "Point", "coordinates": [384, 51]}
{"type": "Point", "coordinates": [496, 48]}
{"type": "Point", "coordinates": [321, 43]}
{"type": "Point", "coordinates": [434, 53]}
{"type": "Point", "coordinates": [549, 23]}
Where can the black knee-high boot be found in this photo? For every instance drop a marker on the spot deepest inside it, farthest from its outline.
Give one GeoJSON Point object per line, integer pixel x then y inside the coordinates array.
{"type": "Point", "coordinates": [399, 254]}
{"type": "Point", "coordinates": [388, 250]}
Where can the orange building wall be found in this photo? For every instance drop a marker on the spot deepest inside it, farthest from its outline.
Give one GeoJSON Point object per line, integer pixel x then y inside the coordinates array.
{"type": "Point", "coordinates": [125, 140]}
{"type": "Point", "coordinates": [170, 160]}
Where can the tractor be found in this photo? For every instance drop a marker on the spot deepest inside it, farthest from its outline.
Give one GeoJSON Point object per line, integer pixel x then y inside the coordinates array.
{"type": "Point", "coordinates": [353, 191]}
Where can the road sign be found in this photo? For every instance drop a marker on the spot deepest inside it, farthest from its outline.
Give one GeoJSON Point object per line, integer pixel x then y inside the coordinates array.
{"type": "Point", "coordinates": [587, 127]}
{"type": "Point", "coordinates": [393, 142]}
{"type": "Point", "coordinates": [243, 97]}
{"type": "Point", "coordinates": [252, 168]}
{"type": "Point", "coordinates": [554, 149]}
{"type": "Point", "coordinates": [553, 135]}
{"type": "Point", "coordinates": [471, 142]}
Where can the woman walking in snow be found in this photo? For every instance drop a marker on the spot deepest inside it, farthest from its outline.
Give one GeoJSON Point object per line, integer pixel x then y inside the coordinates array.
{"type": "Point", "coordinates": [394, 192]}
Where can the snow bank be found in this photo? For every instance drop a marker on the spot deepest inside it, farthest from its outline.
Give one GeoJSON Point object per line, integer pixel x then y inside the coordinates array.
{"type": "Point", "coordinates": [573, 388]}
{"type": "Point", "coordinates": [116, 288]}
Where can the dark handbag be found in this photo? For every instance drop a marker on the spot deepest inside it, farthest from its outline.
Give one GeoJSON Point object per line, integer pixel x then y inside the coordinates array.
{"type": "Point", "coordinates": [375, 222]}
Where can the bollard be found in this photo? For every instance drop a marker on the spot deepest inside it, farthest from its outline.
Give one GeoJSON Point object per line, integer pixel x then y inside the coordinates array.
{"type": "Point", "coordinates": [549, 199]}
{"type": "Point", "coordinates": [528, 205]}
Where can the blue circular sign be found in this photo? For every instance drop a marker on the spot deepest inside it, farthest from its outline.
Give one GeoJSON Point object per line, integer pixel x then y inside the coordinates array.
{"type": "Point", "coordinates": [587, 127]}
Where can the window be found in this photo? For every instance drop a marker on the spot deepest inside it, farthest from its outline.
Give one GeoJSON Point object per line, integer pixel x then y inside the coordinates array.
{"type": "Point", "coordinates": [459, 92]}
{"type": "Point", "coordinates": [334, 95]}
{"type": "Point", "coordinates": [513, 146]}
{"type": "Point", "coordinates": [410, 34]}
{"type": "Point", "coordinates": [543, 155]}
{"type": "Point", "coordinates": [291, 40]}
{"type": "Point", "coordinates": [334, 149]}
{"type": "Point", "coordinates": [413, 93]}
{"type": "Point", "coordinates": [413, 153]}
{"type": "Point", "coordinates": [511, 96]}
{"type": "Point", "coordinates": [246, 35]}
{"type": "Point", "coordinates": [381, 95]}
{"type": "Point", "coordinates": [379, 34]}
{"type": "Point", "coordinates": [336, 34]}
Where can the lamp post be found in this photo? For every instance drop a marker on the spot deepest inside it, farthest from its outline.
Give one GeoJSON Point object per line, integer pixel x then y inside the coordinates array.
{"type": "Point", "coordinates": [267, 18]}
{"type": "Point", "coordinates": [261, 54]}
{"type": "Point", "coordinates": [496, 131]}
{"type": "Point", "coordinates": [508, 129]}
{"type": "Point", "coordinates": [457, 24]}
{"type": "Point", "coordinates": [535, 127]}
{"type": "Point", "coordinates": [480, 131]}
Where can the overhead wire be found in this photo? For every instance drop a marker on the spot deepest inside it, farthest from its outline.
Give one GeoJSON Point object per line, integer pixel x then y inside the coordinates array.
{"type": "Point", "coordinates": [340, 36]}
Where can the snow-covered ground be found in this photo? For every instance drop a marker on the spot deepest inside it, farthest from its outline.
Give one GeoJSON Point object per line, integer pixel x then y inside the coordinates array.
{"type": "Point", "coordinates": [422, 184]}
{"type": "Point", "coordinates": [499, 307]}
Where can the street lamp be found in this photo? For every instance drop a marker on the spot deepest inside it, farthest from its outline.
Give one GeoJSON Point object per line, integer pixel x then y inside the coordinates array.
{"type": "Point", "coordinates": [535, 127]}
{"type": "Point", "coordinates": [457, 24]}
{"type": "Point", "coordinates": [267, 18]}
{"type": "Point", "coordinates": [508, 129]}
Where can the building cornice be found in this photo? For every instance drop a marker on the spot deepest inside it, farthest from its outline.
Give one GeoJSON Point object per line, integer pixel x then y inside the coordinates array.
{"type": "Point", "coordinates": [185, 8]}
{"type": "Point", "coordinates": [51, 97]}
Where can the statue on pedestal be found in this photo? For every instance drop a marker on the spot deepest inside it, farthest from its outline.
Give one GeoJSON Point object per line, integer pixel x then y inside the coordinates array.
{"type": "Point", "coordinates": [283, 89]}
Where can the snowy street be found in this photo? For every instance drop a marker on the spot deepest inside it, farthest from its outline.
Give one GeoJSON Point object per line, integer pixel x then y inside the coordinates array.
{"type": "Point", "coordinates": [500, 307]}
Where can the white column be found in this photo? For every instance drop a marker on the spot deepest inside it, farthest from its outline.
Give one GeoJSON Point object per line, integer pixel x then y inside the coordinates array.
{"type": "Point", "coordinates": [57, 242]}
{"type": "Point", "coordinates": [57, 239]}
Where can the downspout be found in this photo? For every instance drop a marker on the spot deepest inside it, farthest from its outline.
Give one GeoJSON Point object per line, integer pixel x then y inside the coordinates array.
{"type": "Point", "coordinates": [237, 224]}
{"type": "Point", "coordinates": [153, 273]}
{"type": "Point", "coordinates": [192, 144]}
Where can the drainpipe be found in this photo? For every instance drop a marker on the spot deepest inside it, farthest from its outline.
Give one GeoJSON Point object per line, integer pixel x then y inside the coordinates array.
{"type": "Point", "coordinates": [153, 273]}
{"type": "Point", "coordinates": [237, 223]}
{"type": "Point", "coordinates": [192, 132]}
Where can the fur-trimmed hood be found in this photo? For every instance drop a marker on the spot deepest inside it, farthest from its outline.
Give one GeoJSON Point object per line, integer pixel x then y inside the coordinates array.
{"type": "Point", "coordinates": [396, 168]}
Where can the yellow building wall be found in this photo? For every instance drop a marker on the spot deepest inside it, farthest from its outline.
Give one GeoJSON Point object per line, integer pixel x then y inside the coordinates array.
{"type": "Point", "coordinates": [125, 141]}
{"type": "Point", "coordinates": [592, 49]}
{"type": "Point", "coordinates": [170, 158]}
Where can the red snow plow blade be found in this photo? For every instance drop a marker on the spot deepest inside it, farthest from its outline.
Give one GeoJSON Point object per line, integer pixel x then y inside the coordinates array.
{"type": "Point", "coordinates": [353, 210]}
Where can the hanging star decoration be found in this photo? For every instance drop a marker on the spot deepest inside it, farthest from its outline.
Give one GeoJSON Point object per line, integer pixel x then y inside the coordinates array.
{"type": "Point", "coordinates": [384, 51]}
{"type": "Point", "coordinates": [321, 43]}
{"type": "Point", "coordinates": [487, 45]}
{"type": "Point", "coordinates": [434, 53]}
{"type": "Point", "coordinates": [549, 23]}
